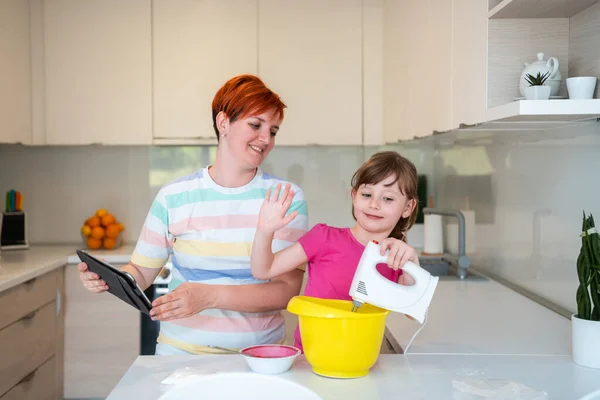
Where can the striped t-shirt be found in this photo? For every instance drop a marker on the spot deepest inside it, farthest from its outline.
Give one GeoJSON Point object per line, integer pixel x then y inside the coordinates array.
{"type": "Point", "coordinates": [208, 231]}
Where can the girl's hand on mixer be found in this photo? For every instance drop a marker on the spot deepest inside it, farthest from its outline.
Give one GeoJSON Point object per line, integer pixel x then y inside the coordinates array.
{"type": "Point", "coordinates": [399, 254]}
{"type": "Point", "coordinates": [272, 212]}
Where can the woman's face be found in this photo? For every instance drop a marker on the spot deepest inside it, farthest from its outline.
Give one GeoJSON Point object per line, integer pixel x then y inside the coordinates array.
{"type": "Point", "coordinates": [251, 138]}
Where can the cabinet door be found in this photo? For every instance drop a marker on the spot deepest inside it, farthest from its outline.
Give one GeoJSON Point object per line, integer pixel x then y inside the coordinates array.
{"type": "Point", "coordinates": [102, 339]}
{"type": "Point", "coordinates": [417, 68]}
{"type": "Point", "coordinates": [15, 72]}
{"type": "Point", "coordinates": [98, 71]}
{"type": "Point", "coordinates": [469, 70]}
{"type": "Point", "coordinates": [309, 52]}
{"type": "Point", "coordinates": [198, 45]}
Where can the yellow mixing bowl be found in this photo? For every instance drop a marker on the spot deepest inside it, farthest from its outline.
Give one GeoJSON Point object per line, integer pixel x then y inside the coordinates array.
{"type": "Point", "coordinates": [339, 343]}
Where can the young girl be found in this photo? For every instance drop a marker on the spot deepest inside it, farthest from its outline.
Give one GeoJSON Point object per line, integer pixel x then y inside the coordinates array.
{"type": "Point", "coordinates": [384, 205]}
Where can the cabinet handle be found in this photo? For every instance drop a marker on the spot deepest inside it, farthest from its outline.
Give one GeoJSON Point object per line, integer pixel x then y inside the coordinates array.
{"type": "Point", "coordinates": [29, 316]}
{"type": "Point", "coordinates": [27, 378]}
{"type": "Point", "coordinates": [58, 304]}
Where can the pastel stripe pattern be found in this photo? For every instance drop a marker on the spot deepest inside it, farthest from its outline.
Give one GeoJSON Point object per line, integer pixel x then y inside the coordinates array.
{"type": "Point", "coordinates": [206, 231]}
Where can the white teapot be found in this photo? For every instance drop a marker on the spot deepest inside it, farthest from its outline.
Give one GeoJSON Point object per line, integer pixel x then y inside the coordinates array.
{"type": "Point", "coordinates": [542, 66]}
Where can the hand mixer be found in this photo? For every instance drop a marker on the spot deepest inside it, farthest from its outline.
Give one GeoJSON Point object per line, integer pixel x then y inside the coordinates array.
{"type": "Point", "coordinates": [369, 286]}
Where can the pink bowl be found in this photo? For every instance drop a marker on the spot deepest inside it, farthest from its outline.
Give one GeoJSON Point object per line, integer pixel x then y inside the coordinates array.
{"type": "Point", "coordinates": [270, 358]}
{"type": "Point", "coordinates": [271, 351]}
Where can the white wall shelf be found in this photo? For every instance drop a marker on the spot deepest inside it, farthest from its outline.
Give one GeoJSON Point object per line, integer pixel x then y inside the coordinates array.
{"type": "Point", "coordinates": [538, 8]}
{"type": "Point", "coordinates": [547, 111]}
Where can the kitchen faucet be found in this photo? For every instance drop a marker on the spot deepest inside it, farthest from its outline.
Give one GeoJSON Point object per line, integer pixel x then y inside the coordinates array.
{"type": "Point", "coordinates": [462, 260]}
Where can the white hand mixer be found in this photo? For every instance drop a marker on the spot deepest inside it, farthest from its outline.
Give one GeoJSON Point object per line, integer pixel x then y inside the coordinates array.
{"type": "Point", "coordinates": [369, 286]}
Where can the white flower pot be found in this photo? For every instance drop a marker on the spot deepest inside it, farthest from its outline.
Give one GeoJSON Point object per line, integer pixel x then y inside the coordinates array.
{"type": "Point", "coordinates": [586, 342]}
{"type": "Point", "coordinates": [537, 92]}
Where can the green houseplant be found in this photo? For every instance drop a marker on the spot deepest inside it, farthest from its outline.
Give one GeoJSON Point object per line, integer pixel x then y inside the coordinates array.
{"type": "Point", "coordinates": [586, 323]}
{"type": "Point", "coordinates": [537, 89]}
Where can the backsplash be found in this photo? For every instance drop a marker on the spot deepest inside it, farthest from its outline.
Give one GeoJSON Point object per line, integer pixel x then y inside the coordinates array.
{"type": "Point", "coordinates": [528, 200]}
{"type": "Point", "coordinates": [527, 196]}
{"type": "Point", "coordinates": [62, 186]}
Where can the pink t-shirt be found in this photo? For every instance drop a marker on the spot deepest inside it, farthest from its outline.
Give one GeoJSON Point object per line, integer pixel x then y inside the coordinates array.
{"type": "Point", "coordinates": [333, 255]}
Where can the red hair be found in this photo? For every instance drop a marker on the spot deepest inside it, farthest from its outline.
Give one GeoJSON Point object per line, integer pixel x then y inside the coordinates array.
{"type": "Point", "coordinates": [243, 95]}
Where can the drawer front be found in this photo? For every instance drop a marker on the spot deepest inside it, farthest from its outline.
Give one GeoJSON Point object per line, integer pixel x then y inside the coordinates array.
{"type": "Point", "coordinates": [39, 385]}
{"type": "Point", "coordinates": [26, 344]}
{"type": "Point", "coordinates": [19, 301]}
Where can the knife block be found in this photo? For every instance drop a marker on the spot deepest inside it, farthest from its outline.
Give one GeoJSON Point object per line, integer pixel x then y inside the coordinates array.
{"type": "Point", "coordinates": [13, 232]}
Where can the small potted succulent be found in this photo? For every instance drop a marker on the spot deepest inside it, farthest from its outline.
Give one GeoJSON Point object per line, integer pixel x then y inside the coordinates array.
{"type": "Point", "coordinates": [536, 89]}
{"type": "Point", "coordinates": [586, 323]}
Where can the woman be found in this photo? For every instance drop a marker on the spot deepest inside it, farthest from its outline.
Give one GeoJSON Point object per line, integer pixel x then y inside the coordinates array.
{"type": "Point", "coordinates": [206, 221]}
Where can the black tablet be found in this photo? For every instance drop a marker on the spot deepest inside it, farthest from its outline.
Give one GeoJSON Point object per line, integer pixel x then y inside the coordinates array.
{"type": "Point", "coordinates": [120, 283]}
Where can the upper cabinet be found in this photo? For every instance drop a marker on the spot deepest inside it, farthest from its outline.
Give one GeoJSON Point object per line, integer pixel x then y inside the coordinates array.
{"type": "Point", "coordinates": [310, 53]}
{"type": "Point", "coordinates": [352, 72]}
{"type": "Point", "coordinates": [97, 72]}
{"type": "Point", "coordinates": [469, 62]}
{"type": "Point", "coordinates": [434, 63]}
{"type": "Point", "coordinates": [15, 77]}
{"type": "Point", "coordinates": [198, 46]}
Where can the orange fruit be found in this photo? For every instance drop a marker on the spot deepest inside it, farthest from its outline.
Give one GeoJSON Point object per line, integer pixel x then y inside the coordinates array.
{"type": "Point", "coordinates": [93, 243]}
{"type": "Point", "coordinates": [121, 227]}
{"type": "Point", "coordinates": [109, 243]}
{"type": "Point", "coordinates": [101, 212]}
{"type": "Point", "coordinates": [86, 230]}
{"type": "Point", "coordinates": [97, 232]}
{"type": "Point", "coordinates": [92, 222]}
{"type": "Point", "coordinates": [107, 220]}
{"type": "Point", "coordinates": [112, 231]}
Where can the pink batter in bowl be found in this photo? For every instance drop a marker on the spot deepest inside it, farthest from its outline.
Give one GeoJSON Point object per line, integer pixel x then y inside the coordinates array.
{"type": "Point", "coordinates": [270, 358]}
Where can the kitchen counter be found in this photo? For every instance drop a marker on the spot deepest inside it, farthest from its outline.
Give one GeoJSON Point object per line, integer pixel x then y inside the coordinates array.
{"type": "Point", "coordinates": [482, 317]}
{"type": "Point", "coordinates": [18, 266]}
{"type": "Point", "coordinates": [408, 376]}
{"type": "Point", "coordinates": [465, 317]}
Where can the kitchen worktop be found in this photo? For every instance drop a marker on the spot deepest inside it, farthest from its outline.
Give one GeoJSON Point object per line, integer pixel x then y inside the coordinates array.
{"type": "Point", "coordinates": [18, 266]}
{"type": "Point", "coordinates": [482, 317]}
{"type": "Point", "coordinates": [408, 376]}
{"type": "Point", "coordinates": [465, 317]}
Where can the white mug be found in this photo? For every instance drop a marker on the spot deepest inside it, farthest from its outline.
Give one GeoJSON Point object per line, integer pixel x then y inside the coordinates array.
{"type": "Point", "coordinates": [581, 87]}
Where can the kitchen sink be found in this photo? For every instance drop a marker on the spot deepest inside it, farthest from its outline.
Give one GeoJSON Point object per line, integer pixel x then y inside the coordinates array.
{"type": "Point", "coordinates": [445, 269]}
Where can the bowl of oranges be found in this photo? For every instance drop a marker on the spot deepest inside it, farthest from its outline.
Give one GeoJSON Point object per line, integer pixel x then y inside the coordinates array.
{"type": "Point", "coordinates": [102, 231]}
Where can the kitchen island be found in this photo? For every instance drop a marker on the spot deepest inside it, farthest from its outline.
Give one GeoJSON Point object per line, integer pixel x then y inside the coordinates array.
{"type": "Point", "coordinates": [410, 376]}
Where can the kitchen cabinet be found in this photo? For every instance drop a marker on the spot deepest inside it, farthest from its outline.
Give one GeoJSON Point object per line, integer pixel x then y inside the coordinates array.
{"type": "Point", "coordinates": [197, 46]}
{"type": "Point", "coordinates": [310, 52]}
{"type": "Point", "coordinates": [417, 68]}
{"type": "Point", "coordinates": [469, 62]}
{"type": "Point", "coordinates": [102, 339]}
{"type": "Point", "coordinates": [31, 338]}
{"type": "Point", "coordinates": [97, 72]}
{"type": "Point", "coordinates": [15, 80]}
{"type": "Point", "coordinates": [434, 63]}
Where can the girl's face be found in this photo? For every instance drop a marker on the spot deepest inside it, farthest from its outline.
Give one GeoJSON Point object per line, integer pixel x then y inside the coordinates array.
{"type": "Point", "coordinates": [379, 207]}
{"type": "Point", "coordinates": [249, 139]}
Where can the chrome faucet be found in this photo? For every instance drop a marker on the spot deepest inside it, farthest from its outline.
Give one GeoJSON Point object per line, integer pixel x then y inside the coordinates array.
{"type": "Point", "coordinates": [462, 260]}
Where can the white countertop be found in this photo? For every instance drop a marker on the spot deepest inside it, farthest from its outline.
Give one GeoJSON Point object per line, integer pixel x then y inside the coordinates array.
{"type": "Point", "coordinates": [394, 376]}
{"type": "Point", "coordinates": [483, 317]}
{"type": "Point", "coordinates": [18, 266]}
{"type": "Point", "coordinates": [465, 317]}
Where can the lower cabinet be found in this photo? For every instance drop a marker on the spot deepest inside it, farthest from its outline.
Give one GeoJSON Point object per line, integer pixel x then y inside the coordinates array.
{"type": "Point", "coordinates": [31, 339]}
{"type": "Point", "coordinates": [102, 339]}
